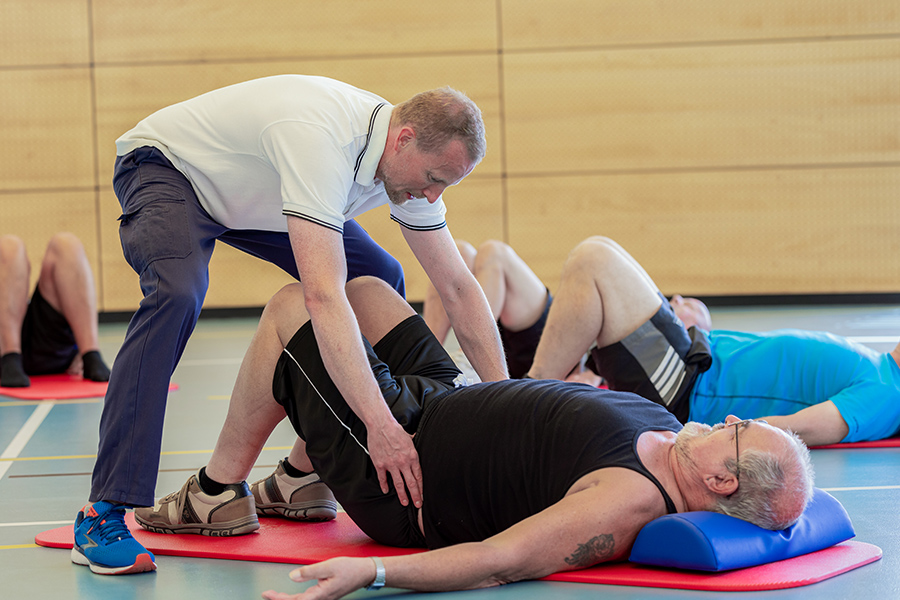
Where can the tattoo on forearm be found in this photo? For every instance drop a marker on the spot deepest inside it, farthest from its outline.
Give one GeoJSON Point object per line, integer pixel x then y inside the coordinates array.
{"type": "Point", "coordinates": [596, 549]}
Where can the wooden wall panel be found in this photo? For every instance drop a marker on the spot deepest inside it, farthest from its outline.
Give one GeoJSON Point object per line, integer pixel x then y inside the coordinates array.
{"type": "Point", "coordinates": [723, 233]}
{"type": "Point", "coordinates": [674, 108]}
{"type": "Point", "coordinates": [121, 286]}
{"type": "Point", "coordinates": [529, 25]}
{"type": "Point", "coordinates": [36, 216]}
{"type": "Point", "coordinates": [125, 95]}
{"type": "Point", "coordinates": [173, 30]}
{"type": "Point", "coordinates": [772, 126]}
{"type": "Point", "coordinates": [46, 32]}
{"type": "Point", "coordinates": [474, 213]}
{"type": "Point", "coordinates": [45, 129]}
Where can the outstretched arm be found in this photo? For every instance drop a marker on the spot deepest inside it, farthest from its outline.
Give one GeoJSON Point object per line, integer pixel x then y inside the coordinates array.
{"type": "Point", "coordinates": [463, 299]}
{"type": "Point", "coordinates": [320, 259]}
{"type": "Point", "coordinates": [816, 425]}
{"type": "Point", "coordinates": [432, 308]}
{"type": "Point", "coordinates": [595, 525]}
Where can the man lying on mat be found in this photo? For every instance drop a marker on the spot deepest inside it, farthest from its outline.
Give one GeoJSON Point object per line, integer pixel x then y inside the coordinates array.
{"type": "Point", "coordinates": [825, 388]}
{"type": "Point", "coordinates": [525, 478]}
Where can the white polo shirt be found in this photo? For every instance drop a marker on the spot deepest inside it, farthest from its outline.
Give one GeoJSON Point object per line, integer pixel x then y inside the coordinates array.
{"type": "Point", "coordinates": [285, 145]}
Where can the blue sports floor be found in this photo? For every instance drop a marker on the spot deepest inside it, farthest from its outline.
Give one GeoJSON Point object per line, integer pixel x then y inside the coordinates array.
{"type": "Point", "coordinates": [48, 447]}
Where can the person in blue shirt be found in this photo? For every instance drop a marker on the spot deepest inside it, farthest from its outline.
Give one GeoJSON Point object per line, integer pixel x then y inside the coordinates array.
{"type": "Point", "coordinates": [823, 387]}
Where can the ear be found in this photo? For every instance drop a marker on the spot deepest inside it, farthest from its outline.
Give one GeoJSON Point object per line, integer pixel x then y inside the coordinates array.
{"type": "Point", "coordinates": [405, 137]}
{"type": "Point", "coordinates": [722, 483]}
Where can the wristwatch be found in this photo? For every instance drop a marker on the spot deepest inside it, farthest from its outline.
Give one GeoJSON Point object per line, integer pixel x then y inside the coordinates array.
{"type": "Point", "coordinates": [379, 574]}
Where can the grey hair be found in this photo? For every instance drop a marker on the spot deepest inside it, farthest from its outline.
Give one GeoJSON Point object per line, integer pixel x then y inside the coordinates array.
{"type": "Point", "coordinates": [441, 115]}
{"type": "Point", "coordinates": [775, 486]}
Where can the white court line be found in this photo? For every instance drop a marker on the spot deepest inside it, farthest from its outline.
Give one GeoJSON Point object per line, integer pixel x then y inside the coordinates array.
{"type": "Point", "coordinates": [25, 433]}
{"type": "Point", "coordinates": [206, 362]}
{"type": "Point", "coordinates": [865, 488]}
{"type": "Point", "coordinates": [41, 523]}
{"type": "Point", "coordinates": [874, 339]}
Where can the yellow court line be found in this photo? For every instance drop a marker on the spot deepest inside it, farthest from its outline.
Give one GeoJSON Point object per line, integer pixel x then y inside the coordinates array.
{"type": "Point", "coordinates": [167, 453]}
{"type": "Point", "coordinates": [35, 402]}
{"type": "Point", "coordinates": [18, 546]}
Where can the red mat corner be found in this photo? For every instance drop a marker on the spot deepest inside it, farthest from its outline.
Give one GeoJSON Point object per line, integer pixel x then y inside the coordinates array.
{"type": "Point", "coordinates": [284, 541]}
{"type": "Point", "coordinates": [892, 442]}
{"type": "Point", "coordinates": [61, 387]}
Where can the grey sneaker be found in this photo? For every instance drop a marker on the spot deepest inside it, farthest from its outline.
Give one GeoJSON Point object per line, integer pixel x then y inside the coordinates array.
{"type": "Point", "coordinates": [190, 510]}
{"type": "Point", "coordinates": [301, 498]}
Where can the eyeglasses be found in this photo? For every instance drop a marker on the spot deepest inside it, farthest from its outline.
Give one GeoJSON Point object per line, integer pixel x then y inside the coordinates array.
{"type": "Point", "coordinates": [737, 449]}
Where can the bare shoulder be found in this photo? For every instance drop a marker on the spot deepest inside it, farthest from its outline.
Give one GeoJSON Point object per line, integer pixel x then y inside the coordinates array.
{"type": "Point", "coordinates": [597, 521]}
{"type": "Point", "coordinates": [623, 499]}
{"type": "Point", "coordinates": [615, 482]}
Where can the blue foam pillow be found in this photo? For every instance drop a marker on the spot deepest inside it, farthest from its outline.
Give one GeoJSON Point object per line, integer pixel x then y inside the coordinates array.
{"type": "Point", "coordinates": [709, 541]}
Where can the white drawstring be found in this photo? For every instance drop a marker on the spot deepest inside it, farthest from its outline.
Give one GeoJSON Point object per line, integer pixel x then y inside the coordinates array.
{"type": "Point", "coordinates": [344, 425]}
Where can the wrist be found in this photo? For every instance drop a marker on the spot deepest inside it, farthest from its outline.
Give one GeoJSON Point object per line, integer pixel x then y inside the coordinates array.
{"type": "Point", "coordinates": [378, 582]}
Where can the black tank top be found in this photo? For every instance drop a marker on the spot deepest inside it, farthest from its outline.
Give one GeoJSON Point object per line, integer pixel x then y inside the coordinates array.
{"type": "Point", "coordinates": [493, 454]}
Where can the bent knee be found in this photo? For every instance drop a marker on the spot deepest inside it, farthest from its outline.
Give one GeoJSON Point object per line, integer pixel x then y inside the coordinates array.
{"type": "Point", "coordinates": [12, 248]}
{"type": "Point", "coordinates": [367, 288]}
{"type": "Point", "coordinates": [594, 253]}
{"type": "Point", "coordinates": [494, 253]}
{"type": "Point", "coordinates": [468, 253]}
{"type": "Point", "coordinates": [63, 246]}
{"type": "Point", "coordinates": [285, 301]}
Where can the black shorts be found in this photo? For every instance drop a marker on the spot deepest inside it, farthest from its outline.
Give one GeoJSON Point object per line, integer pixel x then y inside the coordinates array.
{"type": "Point", "coordinates": [48, 343]}
{"type": "Point", "coordinates": [659, 361]}
{"type": "Point", "coordinates": [520, 346]}
{"type": "Point", "coordinates": [412, 369]}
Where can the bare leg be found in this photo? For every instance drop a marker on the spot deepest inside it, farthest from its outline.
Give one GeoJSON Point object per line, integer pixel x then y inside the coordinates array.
{"type": "Point", "coordinates": [253, 412]}
{"type": "Point", "coordinates": [432, 309]}
{"type": "Point", "coordinates": [516, 295]}
{"type": "Point", "coordinates": [377, 306]}
{"type": "Point", "coordinates": [14, 274]}
{"type": "Point", "coordinates": [604, 295]}
{"type": "Point", "coordinates": [67, 284]}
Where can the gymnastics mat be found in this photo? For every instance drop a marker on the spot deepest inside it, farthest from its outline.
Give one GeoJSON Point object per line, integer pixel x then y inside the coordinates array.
{"type": "Point", "coordinates": [61, 387]}
{"type": "Point", "coordinates": [283, 541]}
{"type": "Point", "coordinates": [893, 442]}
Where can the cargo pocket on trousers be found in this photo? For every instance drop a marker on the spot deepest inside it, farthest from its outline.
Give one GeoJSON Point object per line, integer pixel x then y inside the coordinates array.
{"type": "Point", "coordinates": [154, 230]}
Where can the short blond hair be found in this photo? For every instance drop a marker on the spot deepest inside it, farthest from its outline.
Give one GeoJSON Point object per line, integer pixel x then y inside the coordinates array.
{"type": "Point", "coordinates": [441, 115]}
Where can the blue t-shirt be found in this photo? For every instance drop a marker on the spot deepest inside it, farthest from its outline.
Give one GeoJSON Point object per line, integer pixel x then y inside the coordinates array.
{"type": "Point", "coordinates": [782, 372]}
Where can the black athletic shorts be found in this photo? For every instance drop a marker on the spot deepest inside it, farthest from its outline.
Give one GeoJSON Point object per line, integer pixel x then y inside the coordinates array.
{"type": "Point", "coordinates": [48, 343]}
{"type": "Point", "coordinates": [659, 361]}
{"type": "Point", "coordinates": [412, 369]}
{"type": "Point", "coordinates": [520, 346]}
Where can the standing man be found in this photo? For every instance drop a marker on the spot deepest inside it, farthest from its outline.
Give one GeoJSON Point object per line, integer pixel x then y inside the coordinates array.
{"type": "Point", "coordinates": [277, 167]}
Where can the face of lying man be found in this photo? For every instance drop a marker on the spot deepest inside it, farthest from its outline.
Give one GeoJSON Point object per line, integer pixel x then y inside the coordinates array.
{"type": "Point", "coordinates": [692, 312]}
{"type": "Point", "coordinates": [705, 447]}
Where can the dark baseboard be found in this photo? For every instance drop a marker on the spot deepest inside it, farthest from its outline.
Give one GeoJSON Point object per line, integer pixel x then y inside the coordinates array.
{"type": "Point", "coordinates": [713, 301]}
{"type": "Point", "coordinates": [207, 313]}
{"type": "Point", "coordinates": [802, 299]}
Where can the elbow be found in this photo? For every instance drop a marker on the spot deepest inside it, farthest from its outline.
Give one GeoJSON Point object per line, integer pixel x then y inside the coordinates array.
{"type": "Point", "coordinates": [319, 298]}
{"type": "Point", "coordinates": [509, 565]}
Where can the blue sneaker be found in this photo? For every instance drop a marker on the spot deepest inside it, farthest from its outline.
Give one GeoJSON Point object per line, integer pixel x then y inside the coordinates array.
{"type": "Point", "coordinates": [104, 543]}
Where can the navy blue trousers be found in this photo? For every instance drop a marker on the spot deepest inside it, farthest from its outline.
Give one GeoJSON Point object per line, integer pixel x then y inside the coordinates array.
{"type": "Point", "coordinates": [168, 239]}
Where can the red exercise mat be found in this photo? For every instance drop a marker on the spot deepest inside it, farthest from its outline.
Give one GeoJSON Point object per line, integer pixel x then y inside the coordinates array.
{"type": "Point", "coordinates": [893, 442]}
{"type": "Point", "coordinates": [61, 387]}
{"type": "Point", "coordinates": [283, 541]}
